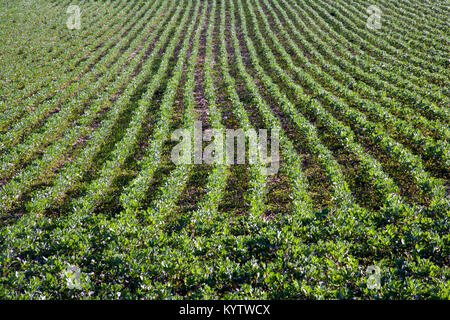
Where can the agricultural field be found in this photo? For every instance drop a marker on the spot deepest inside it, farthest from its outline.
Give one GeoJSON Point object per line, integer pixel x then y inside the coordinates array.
{"type": "Point", "coordinates": [92, 205]}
